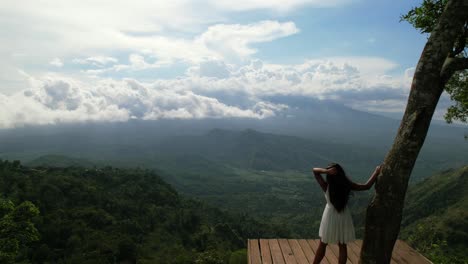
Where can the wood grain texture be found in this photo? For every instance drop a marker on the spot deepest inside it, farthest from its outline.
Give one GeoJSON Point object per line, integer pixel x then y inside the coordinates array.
{"type": "Point", "coordinates": [309, 253]}
{"type": "Point", "coordinates": [352, 255]}
{"type": "Point", "coordinates": [409, 254]}
{"type": "Point", "coordinates": [297, 251]}
{"type": "Point", "coordinates": [314, 244]}
{"type": "Point", "coordinates": [288, 255]}
{"type": "Point", "coordinates": [254, 252]}
{"type": "Point", "coordinates": [336, 251]}
{"type": "Point", "coordinates": [302, 251]}
{"type": "Point", "coordinates": [276, 254]}
{"type": "Point", "coordinates": [265, 251]}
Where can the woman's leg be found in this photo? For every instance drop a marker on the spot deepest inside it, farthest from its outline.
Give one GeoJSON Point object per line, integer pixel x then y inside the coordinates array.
{"type": "Point", "coordinates": [320, 252]}
{"type": "Point", "coordinates": [343, 254]}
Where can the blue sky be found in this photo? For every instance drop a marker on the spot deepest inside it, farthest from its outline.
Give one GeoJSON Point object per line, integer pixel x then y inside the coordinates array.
{"type": "Point", "coordinates": [79, 61]}
{"type": "Point", "coordinates": [362, 28]}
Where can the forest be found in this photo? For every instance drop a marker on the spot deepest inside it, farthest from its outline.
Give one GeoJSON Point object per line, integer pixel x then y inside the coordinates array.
{"type": "Point", "coordinates": [113, 215]}
{"type": "Point", "coordinates": [109, 215]}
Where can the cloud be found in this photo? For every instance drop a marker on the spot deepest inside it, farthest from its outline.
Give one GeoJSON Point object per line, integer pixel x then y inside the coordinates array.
{"type": "Point", "coordinates": [210, 89]}
{"type": "Point", "coordinates": [210, 68]}
{"type": "Point", "coordinates": [12, 79]}
{"type": "Point", "coordinates": [221, 44]}
{"type": "Point", "coordinates": [168, 31]}
{"type": "Point", "coordinates": [98, 61]}
{"type": "Point", "coordinates": [311, 78]}
{"type": "Point", "coordinates": [56, 62]}
{"type": "Point", "coordinates": [57, 99]}
{"type": "Point", "coordinates": [233, 41]}
{"type": "Point", "coordinates": [351, 81]}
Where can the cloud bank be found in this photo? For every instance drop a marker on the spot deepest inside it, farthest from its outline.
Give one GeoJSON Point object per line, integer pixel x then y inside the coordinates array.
{"type": "Point", "coordinates": [210, 89]}
{"type": "Point", "coordinates": [56, 99]}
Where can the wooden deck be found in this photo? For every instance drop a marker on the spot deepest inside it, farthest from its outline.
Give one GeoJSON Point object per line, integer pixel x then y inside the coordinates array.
{"type": "Point", "coordinates": [302, 251]}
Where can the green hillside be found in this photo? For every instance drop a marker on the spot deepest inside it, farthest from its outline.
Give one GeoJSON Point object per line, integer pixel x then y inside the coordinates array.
{"type": "Point", "coordinates": [435, 218]}
{"type": "Point", "coordinates": [107, 214]}
{"type": "Point", "coordinates": [243, 149]}
{"type": "Point", "coordinates": [254, 150]}
{"type": "Point", "coordinates": [290, 197]}
{"type": "Point", "coordinates": [59, 161]}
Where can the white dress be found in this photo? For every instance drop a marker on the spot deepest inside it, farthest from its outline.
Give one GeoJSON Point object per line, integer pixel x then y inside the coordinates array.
{"type": "Point", "coordinates": [336, 227]}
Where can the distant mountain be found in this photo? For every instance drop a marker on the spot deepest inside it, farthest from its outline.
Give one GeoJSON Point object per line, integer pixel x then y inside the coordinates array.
{"type": "Point", "coordinates": [304, 117]}
{"type": "Point", "coordinates": [59, 161]}
{"type": "Point", "coordinates": [160, 143]}
{"type": "Point", "coordinates": [250, 149]}
{"type": "Point", "coordinates": [307, 132]}
{"type": "Point", "coordinates": [436, 216]}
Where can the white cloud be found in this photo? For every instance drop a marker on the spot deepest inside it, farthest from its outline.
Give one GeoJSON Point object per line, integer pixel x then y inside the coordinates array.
{"type": "Point", "coordinates": [380, 105]}
{"type": "Point", "coordinates": [233, 41]}
{"type": "Point", "coordinates": [57, 99]}
{"type": "Point", "coordinates": [98, 61]}
{"type": "Point", "coordinates": [211, 89]}
{"type": "Point", "coordinates": [210, 68]}
{"type": "Point", "coordinates": [355, 82]}
{"type": "Point", "coordinates": [12, 79]}
{"type": "Point", "coordinates": [222, 43]}
{"type": "Point", "coordinates": [56, 62]}
{"type": "Point", "coordinates": [167, 30]}
{"type": "Point", "coordinates": [311, 78]}
{"type": "Point", "coordinates": [137, 62]}
{"type": "Point", "coordinates": [219, 80]}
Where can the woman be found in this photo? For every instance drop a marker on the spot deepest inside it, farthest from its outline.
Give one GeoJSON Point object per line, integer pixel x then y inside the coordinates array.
{"type": "Point", "coordinates": [337, 225]}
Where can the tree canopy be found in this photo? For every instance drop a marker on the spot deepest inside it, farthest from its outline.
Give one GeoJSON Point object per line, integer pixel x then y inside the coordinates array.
{"type": "Point", "coordinates": [108, 215]}
{"type": "Point", "coordinates": [425, 18]}
{"type": "Point", "coordinates": [16, 228]}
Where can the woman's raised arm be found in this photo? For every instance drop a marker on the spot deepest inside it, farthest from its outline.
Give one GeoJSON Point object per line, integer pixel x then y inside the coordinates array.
{"type": "Point", "coordinates": [369, 183]}
{"type": "Point", "coordinates": [318, 176]}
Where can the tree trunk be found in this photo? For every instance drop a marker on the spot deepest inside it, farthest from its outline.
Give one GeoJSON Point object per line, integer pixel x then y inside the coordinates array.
{"type": "Point", "coordinates": [385, 211]}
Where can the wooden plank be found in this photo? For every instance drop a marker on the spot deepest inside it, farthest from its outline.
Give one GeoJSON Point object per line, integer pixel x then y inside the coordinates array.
{"type": "Point", "coordinates": [276, 253]}
{"type": "Point", "coordinates": [336, 251]}
{"type": "Point", "coordinates": [357, 246]}
{"type": "Point", "coordinates": [354, 251]}
{"type": "Point", "coordinates": [287, 252]}
{"type": "Point", "coordinates": [309, 253]}
{"type": "Point", "coordinates": [302, 251]}
{"type": "Point", "coordinates": [331, 257]}
{"type": "Point", "coordinates": [396, 257]}
{"type": "Point", "coordinates": [254, 252]}
{"type": "Point", "coordinates": [297, 251]}
{"type": "Point", "coordinates": [314, 245]}
{"type": "Point", "coordinates": [392, 260]}
{"type": "Point", "coordinates": [401, 255]}
{"type": "Point", "coordinates": [409, 254]}
{"type": "Point", "coordinates": [265, 251]}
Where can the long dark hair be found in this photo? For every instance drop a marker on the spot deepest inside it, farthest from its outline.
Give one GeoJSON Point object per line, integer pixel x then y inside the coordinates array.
{"type": "Point", "coordinates": [339, 187]}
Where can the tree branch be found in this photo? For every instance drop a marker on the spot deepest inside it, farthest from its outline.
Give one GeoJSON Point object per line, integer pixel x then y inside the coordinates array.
{"type": "Point", "coordinates": [451, 65]}
{"type": "Point", "coordinates": [461, 41]}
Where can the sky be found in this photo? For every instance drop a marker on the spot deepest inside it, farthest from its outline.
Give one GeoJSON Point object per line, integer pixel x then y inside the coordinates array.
{"type": "Point", "coordinates": [79, 61]}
